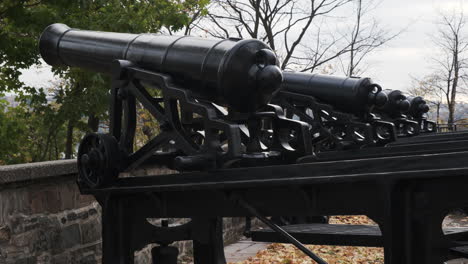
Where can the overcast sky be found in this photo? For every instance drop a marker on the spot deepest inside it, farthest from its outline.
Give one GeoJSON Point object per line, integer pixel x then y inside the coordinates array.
{"type": "Point", "coordinates": [391, 66]}
{"type": "Point", "coordinates": [410, 53]}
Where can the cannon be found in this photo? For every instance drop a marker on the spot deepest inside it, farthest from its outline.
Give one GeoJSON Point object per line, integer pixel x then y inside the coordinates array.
{"type": "Point", "coordinates": [337, 108]}
{"type": "Point", "coordinates": [241, 74]}
{"type": "Point", "coordinates": [417, 112]}
{"type": "Point", "coordinates": [349, 95]}
{"type": "Point", "coordinates": [394, 111]}
{"type": "Point", "coordinates": [396, 105]}
{"type": "Point", "coordinates": [418, 106]}
{"type": "Point", "coordinates": [209, 98]}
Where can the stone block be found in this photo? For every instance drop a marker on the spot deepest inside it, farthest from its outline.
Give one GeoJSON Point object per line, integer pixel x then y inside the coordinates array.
{"type": "Point", "coordinates": [29, 227]}
{"type": "Point", "coordinates": [47, 240]}
{"type": "Point", "coordinates": [85, 200]}
{"type": "Point", "coordinates": [5, 233]}
{"type": "Point", "coordinates": [10, 251]}
{"type": "Point", "coordinates": [72, 216]}
{"type": "Point", "coordinates": [16, 223]}
{"type": "Point", "coordinates": [92, 211]}
{"type": "Point", "coordinates": [44, 259]}
{"type": "Point", "coordinates": [24, 240]}
{"type": "Point", "coordinates": [83, 215]}
{"type": "Point", "coordinates": [143, 258]}
{"type": "Point", "coordinates": [88, 259]}
{"type": "Point", "coordinates": [91, 231]}
{"type": "Point", "coordinates": [86, 254]}
{"type": "Point", "coordinates": [45, 199]}
{"type": "Point", "coordinates": [13, 201]}
{"type": "Point", "coordinates": [68, 195]}
{"type": "Point", "coordinates": [60, 259]}
{"type": "Point", "coordinates": [69, 237]}
{"type": "Point", "coordinates": [23, 260]}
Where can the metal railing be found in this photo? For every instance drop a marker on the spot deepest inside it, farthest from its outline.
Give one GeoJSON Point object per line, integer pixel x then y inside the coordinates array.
{"type": "Point", "coordinates": [452, 127]}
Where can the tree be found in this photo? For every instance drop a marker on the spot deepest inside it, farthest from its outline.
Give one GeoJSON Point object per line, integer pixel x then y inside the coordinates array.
{"type": "Point", "coordinates": [297, 30]}
{"type": "Point", "coordinates": [9, 144]}
{"type": "Point", "coordinates": [450, 62]}
{"type": "Point", "coordinates": [31, 132]}
{"type": "Point", "coordinates": [194, 10]}
{"type": "Point", "coordinates": [431, 90]}
{"type": "Point", "coordinates": [363, 38]}
{"type": "Point", "coordinates": [83, 94]}
{"type": "Point", "coordinates": [282, 24]}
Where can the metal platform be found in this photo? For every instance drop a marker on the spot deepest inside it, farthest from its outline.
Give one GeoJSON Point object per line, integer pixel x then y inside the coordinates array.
{"type": "Point", "coordinates": [325, 234]}
{"type": "Point", "coordinates": [408, 196]}
{"type": "Point", "coordinates": [391, 151]}
{"type": "Point", "coordinates": [461, 252]}
{"type": "Point", "coordinates": [431, 138]}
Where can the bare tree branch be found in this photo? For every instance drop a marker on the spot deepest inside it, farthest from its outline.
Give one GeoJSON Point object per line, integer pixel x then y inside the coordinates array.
{"type": "Point", "coordinates": [282, 24]}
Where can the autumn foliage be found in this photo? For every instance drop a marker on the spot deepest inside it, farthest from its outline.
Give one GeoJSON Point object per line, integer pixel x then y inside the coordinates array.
{"type": "Point", "coordinates": [288, 254]}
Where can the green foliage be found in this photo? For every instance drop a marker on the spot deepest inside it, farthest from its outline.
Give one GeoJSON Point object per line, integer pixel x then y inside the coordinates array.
{"type": "Point", "coordinates": [30, 134]}
{"type": "Point", "coordinates": [9, 146]}
{"type": "Point", "coordinates": [81, 93]}
{"type": "Point", "coordinates": [21, 23]}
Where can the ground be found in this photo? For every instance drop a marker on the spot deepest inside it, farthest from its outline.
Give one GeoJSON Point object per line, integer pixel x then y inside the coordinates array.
{"type": "Point", "coordinates": [287, 254]}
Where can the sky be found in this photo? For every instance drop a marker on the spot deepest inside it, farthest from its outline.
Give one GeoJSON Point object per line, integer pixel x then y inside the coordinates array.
{"type": "Point", "coordinates": [410, 53]}
{"type": "Point", "coordinates": [393, 65]}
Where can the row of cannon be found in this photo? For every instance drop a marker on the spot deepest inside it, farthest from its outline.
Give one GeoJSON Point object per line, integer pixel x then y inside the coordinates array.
{"type": "Point", "coordinates": [223, 103]}
{"type": "Point", "coordinates": [251, 140]}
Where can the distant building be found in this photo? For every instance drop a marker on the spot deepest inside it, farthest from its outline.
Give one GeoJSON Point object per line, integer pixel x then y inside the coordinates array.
{"type": "Point", "coordinates": [13, 102]}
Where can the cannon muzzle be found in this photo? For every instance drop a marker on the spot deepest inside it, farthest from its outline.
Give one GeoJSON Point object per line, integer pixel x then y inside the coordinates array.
{"type": "Point", "coordinates": [418, 106]}
{"type": "Point", "coordinates": [396, 105]}
{"type": "Point", "coordinates": [240, 74]}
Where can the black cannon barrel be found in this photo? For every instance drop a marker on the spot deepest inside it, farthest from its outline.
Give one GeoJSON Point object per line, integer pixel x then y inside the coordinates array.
{"type": "Point", "coordinates": [418, 106]}
{"type": "Point", "coordinates": [241, 74]}
{"type": "Point", "coordinates": [397, 103]}
{"type": "Point", "coordinates": [347, 94]}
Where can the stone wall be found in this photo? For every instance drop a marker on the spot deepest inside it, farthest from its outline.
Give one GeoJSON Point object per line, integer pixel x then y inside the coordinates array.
{"type": "Point", "coordinates": [44, 219]}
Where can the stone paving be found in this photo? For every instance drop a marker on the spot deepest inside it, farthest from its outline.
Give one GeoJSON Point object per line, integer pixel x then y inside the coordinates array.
{"type": "Point", "coordinates": [242, 250]}
{"type": "Point", "coordinates": [457, 261]}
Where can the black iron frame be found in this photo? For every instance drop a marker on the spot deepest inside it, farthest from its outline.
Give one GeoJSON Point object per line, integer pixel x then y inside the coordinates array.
{"type": "Point", "coordinates": [408, 196]}
{"type": "Point", "coordinates": [408, 193]}
{"type": "Point", "coordinates": [332, 127]}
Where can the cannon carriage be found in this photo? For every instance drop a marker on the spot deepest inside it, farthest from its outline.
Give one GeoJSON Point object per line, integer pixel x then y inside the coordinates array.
{"type": "Point", "coordinates": [220, 88]}
{"type": "Point", "coordinates": [339, 110]}
{"type": "Point", "coordinates": [395, 111]}
{"type": "Point", "coordinates": [252, 141]}
{"type": "Point", "coordinates": [417, 112]}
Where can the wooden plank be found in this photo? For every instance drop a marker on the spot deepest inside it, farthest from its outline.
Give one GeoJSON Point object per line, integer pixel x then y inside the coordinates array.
{"type": "Point", "coordinates": [340, 235]}
{"type": "Point", "coordinates": [326, 234]}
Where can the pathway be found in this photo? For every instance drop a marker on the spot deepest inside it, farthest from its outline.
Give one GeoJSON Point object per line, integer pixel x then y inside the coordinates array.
{"type": "Point", "coordinates": [242, 250]}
